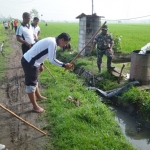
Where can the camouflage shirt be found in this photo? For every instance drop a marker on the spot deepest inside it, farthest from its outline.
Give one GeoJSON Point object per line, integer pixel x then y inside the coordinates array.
{"type": "Point", "coordinates": [103, 41]}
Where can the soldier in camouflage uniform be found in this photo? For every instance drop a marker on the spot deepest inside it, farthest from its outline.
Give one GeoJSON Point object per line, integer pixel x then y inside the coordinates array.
{"type": "Point", "coordinates": [104, 44]}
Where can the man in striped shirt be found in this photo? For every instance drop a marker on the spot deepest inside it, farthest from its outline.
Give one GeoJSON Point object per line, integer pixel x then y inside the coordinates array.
{"type": "Point", "coordinates": [32, 62]}
{"type": "Point", "coordinates": [25, 33]}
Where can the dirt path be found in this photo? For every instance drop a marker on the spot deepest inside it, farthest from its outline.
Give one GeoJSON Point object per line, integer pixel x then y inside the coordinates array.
{"type": "Point", "coordinates": [14, 134]}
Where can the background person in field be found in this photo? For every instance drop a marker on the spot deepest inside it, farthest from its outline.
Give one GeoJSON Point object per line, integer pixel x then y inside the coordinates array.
{"type": "Point", "coordinates": [8, 24]}
{"type": "Point", "coordinates": [104, 44]}
{"type": "Point", "coordinates": [12, 25]}
{"type": "Point", "coordinates": [32, 61]}
{"type": "Point", "coordinates": [25, 34]}
{"type": "Point", "coordinates": [36, 28]}
{"type": "Point", "coordinates": [15, 24]}
{"type": "Point", "coordinates": [5, 25]}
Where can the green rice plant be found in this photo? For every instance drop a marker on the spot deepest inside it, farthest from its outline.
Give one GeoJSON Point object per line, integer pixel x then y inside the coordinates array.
{"type": "Point", "coordinates": [133, 36]}
{"type": "Point", "coordinates": [54, 29]}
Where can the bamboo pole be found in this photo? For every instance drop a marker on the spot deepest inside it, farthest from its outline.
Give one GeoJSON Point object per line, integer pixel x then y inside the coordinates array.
{"type": "Point", "coordinates": [22, 119]}
{"type": "Point", "coordinates": [49, 72]}
{"type": "Point", "coordinates": [75, 58]}
{"type": "Point", "coordinates": [87, 44]}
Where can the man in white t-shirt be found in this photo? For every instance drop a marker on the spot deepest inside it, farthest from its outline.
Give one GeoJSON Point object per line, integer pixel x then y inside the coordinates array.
{"type": "Point", "coordinates": [6, 25]}
{"type": "Point", "coordinates": [35, 28]}
{"type": "Point", "coordinates": [24, 33]}
{"type": "Point", "coordinates": [32, 62]}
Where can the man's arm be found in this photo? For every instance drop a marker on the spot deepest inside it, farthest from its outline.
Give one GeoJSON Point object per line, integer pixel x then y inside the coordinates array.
{"type": "Point", "coordinates": [111, 44]}
{"type": "Point", "coordinates": [19, 39]}
{"type": "Point", "coordinates": [38, 33]}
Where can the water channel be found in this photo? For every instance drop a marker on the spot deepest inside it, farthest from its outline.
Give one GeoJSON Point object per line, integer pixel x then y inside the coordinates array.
{"type": "Point", "coordinates": [139, 139]}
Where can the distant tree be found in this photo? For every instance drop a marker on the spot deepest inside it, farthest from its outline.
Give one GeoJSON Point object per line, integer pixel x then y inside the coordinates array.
{"type": "Point", "coordinates": [34, 13]}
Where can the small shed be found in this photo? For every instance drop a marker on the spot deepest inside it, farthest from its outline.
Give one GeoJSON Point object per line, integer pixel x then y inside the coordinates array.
{"type": "Point", "coordinates": [88, 26]}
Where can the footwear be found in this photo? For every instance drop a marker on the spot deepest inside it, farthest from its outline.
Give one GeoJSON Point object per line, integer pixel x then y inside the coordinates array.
{"type": "Point", "coordinates": [100, 71]}
{"type": "Point", "coordinates": [110, 68]}
{"type": "Point", "coordinates": [2, 146]}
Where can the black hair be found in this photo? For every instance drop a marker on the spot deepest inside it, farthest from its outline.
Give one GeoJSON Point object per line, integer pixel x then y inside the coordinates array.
{"type": "Point", "coordinates": [25, 15]}
{"type": "Point", "coordinates": [36, 18]}
{"type": "Point", "coordinates": [64, 36]}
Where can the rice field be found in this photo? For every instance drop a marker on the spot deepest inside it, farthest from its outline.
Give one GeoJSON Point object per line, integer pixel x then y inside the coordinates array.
{"type": "Point", "coordinates": [134, 36]}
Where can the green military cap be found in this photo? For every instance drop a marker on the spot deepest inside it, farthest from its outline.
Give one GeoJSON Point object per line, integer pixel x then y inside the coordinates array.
{"type": "Point", "coordinates": [104, 27]}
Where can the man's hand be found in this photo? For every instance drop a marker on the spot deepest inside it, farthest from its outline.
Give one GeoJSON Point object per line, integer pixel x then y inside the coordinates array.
{"type": "Point", "coordinates": [35, 37]}
{"type": "Point", "coordinates": [111, 51]}
{"type": "Point", "coordinates": [28, 44]}
{"type": "Point", "coordinates": [68, 66]}
{"type": "Point", "coordinates": [41, 68]}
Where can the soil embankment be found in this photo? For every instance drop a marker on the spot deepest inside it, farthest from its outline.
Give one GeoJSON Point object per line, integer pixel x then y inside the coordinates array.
{"type": "Point", "coordinates": [14, 134]}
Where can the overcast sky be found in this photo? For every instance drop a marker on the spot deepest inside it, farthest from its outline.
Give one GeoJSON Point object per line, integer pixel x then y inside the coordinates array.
{"type": "Point", "coordinates": [68, 9]}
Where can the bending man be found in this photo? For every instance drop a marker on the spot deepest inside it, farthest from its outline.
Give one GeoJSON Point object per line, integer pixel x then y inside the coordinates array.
{"type": "Point", "coordinates": [32, 61]}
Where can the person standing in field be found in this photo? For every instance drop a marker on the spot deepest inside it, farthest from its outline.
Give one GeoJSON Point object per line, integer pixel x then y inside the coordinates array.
{"type": "Point", "coordinates": [15, 24]}
{"type": "Point", "coordinates": [12, 25]}
{"type": "Point", "coordinates": [25, 34]}
{"type": "Point", "coordinates": [36, 28]}
{"type": "Point", "coordinates": [5, 25]}
{"type": "Point", "coordinates": [104, 44]}
{"type": "Point", "coordinates": [32, 62]}
{"type": "Point", "coordinates": [8, 24]}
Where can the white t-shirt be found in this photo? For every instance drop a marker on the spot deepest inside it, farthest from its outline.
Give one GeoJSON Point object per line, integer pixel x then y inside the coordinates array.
{"type": "Point", "coordinates": [35, 29]}
{"type": "Point", "coordinates": [5, 24]}
{"type": "Point", "coordinates": [43, 49]}
{"type": "Point", "coordinates": [26, 33]}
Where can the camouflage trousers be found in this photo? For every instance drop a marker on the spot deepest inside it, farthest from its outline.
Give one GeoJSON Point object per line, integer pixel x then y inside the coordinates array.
{"type": "Point", "coordinates": [100, 54]}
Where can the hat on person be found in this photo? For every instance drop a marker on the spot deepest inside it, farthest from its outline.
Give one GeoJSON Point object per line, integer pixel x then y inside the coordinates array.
{"type": "Point", "coordinates": [104, 27]}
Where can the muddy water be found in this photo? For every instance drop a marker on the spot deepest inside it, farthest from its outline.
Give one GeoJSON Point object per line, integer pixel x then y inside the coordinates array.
{"type": "Point", "coordinates": [138, 137]}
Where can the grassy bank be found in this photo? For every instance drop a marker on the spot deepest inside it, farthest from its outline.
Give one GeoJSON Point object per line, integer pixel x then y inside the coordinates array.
{"type": "Point", "coordinates": [77, 118]}
{"type": "Point", "coordinates": [91, 125]}
{"type": "Point", "coordinates": [6, 49]}
{"type": "Point", "coordinates": [135, 97]}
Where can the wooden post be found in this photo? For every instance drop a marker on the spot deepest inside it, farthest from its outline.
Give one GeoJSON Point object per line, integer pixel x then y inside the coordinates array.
{"type": "Point", "coordinates": [120, 73]}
